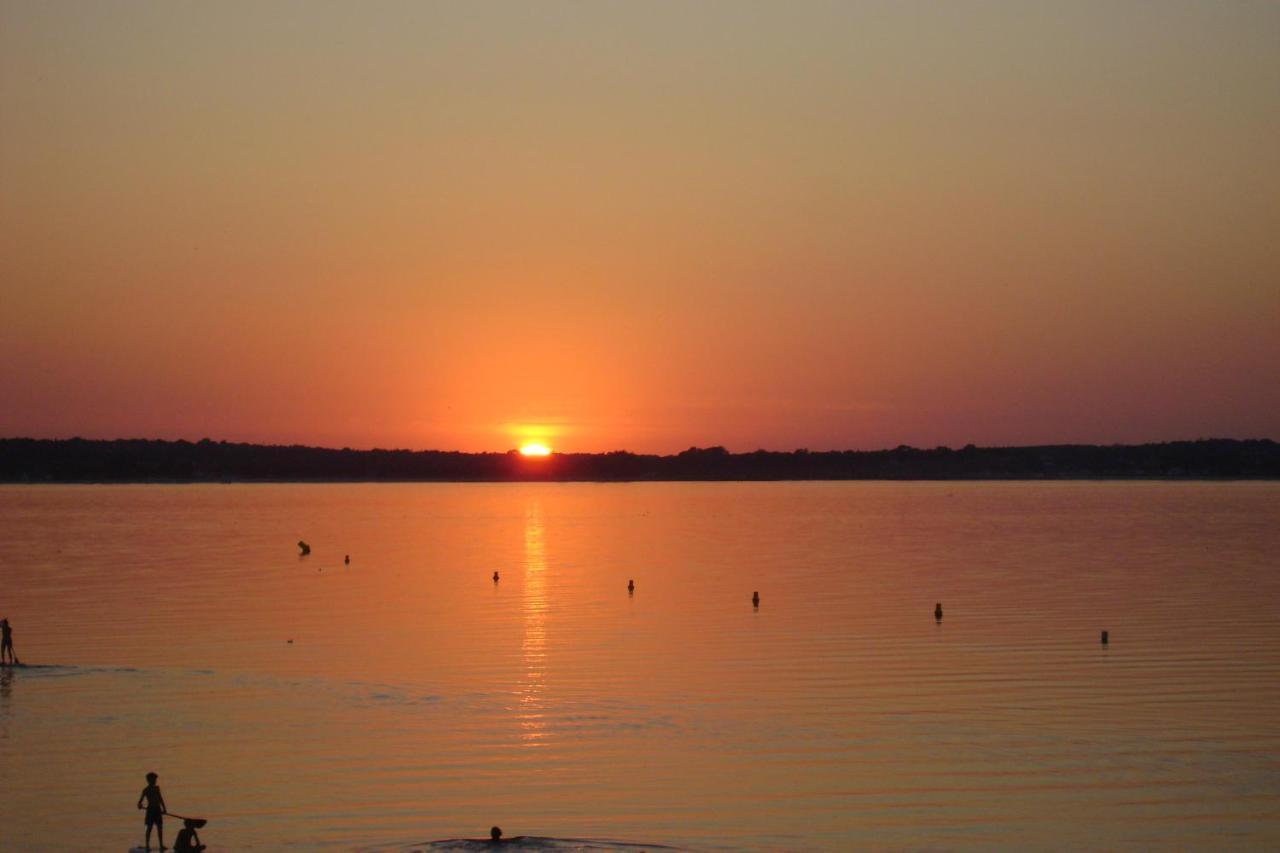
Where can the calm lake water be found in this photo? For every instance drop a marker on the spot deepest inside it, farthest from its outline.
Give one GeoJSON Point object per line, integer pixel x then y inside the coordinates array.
{"type": "Point", "coordinates": [418, 700]}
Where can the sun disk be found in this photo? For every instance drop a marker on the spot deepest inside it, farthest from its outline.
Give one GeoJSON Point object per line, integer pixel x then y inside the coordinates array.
{"type": "Point", "coordinates": [533, 448]}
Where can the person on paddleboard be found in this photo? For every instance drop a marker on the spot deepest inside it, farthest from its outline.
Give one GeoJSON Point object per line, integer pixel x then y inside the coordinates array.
{"type": "Point", "coordinates": [155, 809]}
{"type": "Point", "coordinates": [6, 643]}
{"type": "Point", "coordinates": [188, 841]}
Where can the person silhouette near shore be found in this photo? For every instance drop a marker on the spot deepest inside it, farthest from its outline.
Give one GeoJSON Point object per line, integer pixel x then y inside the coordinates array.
{"type": "Point", "coordinates": [495, 836]}
{"type": "Point", "coordinates": [6, 643]}
{"type": "Point", "coordinates": [155, 810]}
{"type": "Point", "coordinates": [188, 841]}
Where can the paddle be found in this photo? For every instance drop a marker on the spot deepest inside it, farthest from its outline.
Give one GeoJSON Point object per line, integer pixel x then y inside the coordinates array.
{"type": "Point", "coordinates": [198, 821]}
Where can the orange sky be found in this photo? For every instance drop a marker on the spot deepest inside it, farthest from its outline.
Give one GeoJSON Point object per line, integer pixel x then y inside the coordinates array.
{"type": "Point", "coordinates": [640, 226]}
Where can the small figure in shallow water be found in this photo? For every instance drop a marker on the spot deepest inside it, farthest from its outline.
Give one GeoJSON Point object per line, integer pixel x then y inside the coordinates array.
{"type": "Point", "coordinates": [631, 586]}
{"type": "Point", "coordinates": [303, 548]}
{"type": "Point", "coordinates": [495, 577]}
{"type": "Point", "coordinates": [155, 809]}
{"type": "Point", "coordinates": [1106, 638]}
{"type": "Point", "coordinates": [495, 836]}
{"type": "Point", "coordinates": [937, 611]}
{"type": "Point", "coordinates": [188, 841]}
{"type": "Point", "coordinates": [346, 561]}
{"type": "Point", "coordinates": [755, 599]}
{"type": "Point", "coordinates": [6, 643]}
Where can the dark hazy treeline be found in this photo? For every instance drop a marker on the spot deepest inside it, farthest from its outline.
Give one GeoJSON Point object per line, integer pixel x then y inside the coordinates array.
{"type": "Point", "coordinates": [136, 460]}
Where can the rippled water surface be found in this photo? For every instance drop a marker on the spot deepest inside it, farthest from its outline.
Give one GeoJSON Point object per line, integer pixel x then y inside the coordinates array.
{"type": "Point", "coordinates": [407, 698]}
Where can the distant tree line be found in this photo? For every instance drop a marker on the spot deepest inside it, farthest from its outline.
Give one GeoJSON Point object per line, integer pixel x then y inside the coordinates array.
{"type": "Point", "coordinates": [76, 460]}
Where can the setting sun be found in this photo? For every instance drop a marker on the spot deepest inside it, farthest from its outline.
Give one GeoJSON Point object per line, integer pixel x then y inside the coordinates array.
{"type": "Point", "coordinates": [533, 448]}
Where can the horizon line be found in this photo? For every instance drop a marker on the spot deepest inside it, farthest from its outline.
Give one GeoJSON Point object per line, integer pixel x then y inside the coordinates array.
{"type": "Point", "coordinates": [693, 447]}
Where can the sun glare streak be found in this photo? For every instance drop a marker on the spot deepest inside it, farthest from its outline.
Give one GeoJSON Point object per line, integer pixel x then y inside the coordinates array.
{"type": "Point", "coordinates": [532, 710]}
{"type": "Point", "coordinates": [534, 448]}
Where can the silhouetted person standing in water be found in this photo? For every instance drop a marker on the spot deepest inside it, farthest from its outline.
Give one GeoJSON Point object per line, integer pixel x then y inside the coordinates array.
{"type": "Point", "coordinates": [6, 643]}
{"type": "Point", "coordinates": [155, 809]}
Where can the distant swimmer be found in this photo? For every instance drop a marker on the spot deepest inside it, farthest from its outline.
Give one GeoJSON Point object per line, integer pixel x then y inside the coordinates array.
{"type": "Point", "coordinates": [631, 586]}
{"type": "Point", "coordinates": [937, 611]}
{"type": "Point", "coordinates": [495, 836]}
{"type": "Point", "coordinates": [303, 548]}
{"type": "Point", "coordinates": [155, 809]}
{"type": "Point", "coordinates": [495, 577]}
{"type": "Point", "coordinates": [755, 599]}
{"type": "Point", "coordinates": [1106, 638]}
{"type": "Point", "coordinates": [346, 561]}
{"type": "Point", "coordinates": [6, 643]}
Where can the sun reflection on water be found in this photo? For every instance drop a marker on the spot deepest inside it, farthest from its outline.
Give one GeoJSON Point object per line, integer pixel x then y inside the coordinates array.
{"type": "Point", "coordinates": [531, 710]}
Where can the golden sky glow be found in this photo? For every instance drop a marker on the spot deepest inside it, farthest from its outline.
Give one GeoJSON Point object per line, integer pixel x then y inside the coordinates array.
{"type": "Point", "coordinates": [644, 226]}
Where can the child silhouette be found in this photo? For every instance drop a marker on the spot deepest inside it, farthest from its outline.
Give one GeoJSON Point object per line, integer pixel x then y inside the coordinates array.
{"type": "Point", "coordinates": [155, 809]}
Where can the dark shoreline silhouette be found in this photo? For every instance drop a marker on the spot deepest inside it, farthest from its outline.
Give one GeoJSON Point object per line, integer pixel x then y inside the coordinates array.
{"type": "Point", "coordinates": [76, 460]}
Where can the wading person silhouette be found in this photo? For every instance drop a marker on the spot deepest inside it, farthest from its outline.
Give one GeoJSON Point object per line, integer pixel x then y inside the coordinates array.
{"type": "Point", "coordinates": [188, 841]}
{"type": "Point", "coordinates": [495, 836]}
{"type": "Point", "coordinates": [6, 643]}
{"type": "Point", "coordinates": [155, 810]}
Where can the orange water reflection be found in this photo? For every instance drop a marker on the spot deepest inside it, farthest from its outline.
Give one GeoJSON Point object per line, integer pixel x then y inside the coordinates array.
{"type": "Point", "coordinates": [838, 715]}
{"type": "Point", "coordinates": [531, 711]}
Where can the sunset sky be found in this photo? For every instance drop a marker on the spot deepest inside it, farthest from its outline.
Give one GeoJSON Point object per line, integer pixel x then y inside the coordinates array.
{"type": "Point", "coordinates": [643, 226]}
